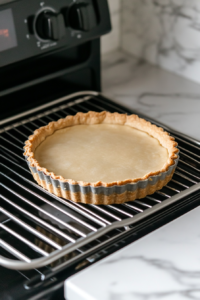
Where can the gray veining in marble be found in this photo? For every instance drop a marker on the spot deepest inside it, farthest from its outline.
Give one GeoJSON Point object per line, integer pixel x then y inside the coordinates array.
{"type": "Point", "coordinates": [164, 32]}
{"type": "Point", "coordinates": [162, 95]}
{"type": "Point", "coordinates": [165, 264]}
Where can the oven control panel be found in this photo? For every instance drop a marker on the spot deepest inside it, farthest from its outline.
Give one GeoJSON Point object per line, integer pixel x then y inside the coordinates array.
{"type": "Point", "coordinates": [29, 28]}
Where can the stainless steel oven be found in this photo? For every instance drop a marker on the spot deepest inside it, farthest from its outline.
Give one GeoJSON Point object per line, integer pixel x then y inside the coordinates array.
{"type": "Point", "coordinates": [50, 68]}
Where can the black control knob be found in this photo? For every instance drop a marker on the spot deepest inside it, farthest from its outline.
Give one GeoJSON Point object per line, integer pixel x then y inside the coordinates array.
{"type": "Point", "coordinates": [50, 26]}
{"type": "Point", "coordinates": [82, 16]}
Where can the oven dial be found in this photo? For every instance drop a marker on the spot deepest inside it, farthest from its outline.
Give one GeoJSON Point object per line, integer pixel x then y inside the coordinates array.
{"type": "Point", "coordinates": [82, 16]}
{"type": "Point", "coordinates": [49, 25]}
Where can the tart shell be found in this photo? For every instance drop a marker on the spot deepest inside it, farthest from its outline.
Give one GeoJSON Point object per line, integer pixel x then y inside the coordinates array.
{"type": "Point", "coordinates": [101, 192]}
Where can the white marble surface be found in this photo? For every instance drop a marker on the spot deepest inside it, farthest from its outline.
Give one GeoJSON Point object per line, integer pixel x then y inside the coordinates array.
{"type": "Point", "coordinates": [111, 41]}
{"type": "Point", "coordinates": [164, 264]}
{"type": "Point", "coordinates": [162, 95]}
{"type": "Point", "coordinates": [163, 32]}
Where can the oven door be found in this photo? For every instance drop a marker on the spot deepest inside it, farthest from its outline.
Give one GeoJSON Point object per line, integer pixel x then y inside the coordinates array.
{"type": "Point", "coordinates": [40, 80]}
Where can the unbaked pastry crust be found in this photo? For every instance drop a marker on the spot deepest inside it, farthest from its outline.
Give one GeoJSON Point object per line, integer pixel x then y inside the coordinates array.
{"type": "Point", "coordinates": [104, 117]}
{"type": "Point", "coordinates": [101, 152]}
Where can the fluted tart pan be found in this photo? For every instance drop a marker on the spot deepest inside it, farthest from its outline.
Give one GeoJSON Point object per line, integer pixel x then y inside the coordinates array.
{"type": "Point", "coordinates": [101, 192]}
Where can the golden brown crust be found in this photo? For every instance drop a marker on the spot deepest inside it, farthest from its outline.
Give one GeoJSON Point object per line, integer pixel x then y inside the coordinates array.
{"type": "Point", "coordinates": [104, 117]}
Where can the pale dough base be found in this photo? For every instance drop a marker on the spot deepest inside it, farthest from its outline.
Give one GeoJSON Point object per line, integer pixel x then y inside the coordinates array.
{"type": "Point", "coordinates": [101, 152]}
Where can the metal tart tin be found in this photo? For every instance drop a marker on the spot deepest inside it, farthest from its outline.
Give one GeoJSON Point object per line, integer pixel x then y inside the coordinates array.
{"type": "Point", "coordinates": [104, 195]}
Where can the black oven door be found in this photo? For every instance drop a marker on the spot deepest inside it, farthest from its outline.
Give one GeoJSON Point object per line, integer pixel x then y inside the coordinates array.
{"type": "Point", "coordinates": [34, 82]}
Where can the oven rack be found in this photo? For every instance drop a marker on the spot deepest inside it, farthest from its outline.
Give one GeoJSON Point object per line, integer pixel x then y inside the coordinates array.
{"type": "Point", "coordinates": [34, 222]}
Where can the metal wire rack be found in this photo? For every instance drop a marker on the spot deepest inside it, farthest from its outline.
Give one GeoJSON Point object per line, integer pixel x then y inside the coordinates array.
{"type": "Point", "coordinates": [40, 230]}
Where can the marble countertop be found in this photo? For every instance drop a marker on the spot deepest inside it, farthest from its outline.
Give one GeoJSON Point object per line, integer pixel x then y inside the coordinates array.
{"type": "Point", "coordinates": [164, 264]}
{"type": "Point", "coordinates": [164, 96]}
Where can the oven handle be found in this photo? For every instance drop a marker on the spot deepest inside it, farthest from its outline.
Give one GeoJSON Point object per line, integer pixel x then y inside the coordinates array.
{"type": "Point", "coordinates": [43, 261]}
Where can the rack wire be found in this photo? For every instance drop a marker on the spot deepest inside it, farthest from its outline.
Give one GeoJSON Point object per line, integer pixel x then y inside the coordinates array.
{"type": "Point", "coordinates": [40, 230]}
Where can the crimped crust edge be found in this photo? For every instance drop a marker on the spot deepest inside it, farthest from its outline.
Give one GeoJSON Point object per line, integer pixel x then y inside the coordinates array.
{"type": "Point", "coordinates": [104, 117]}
